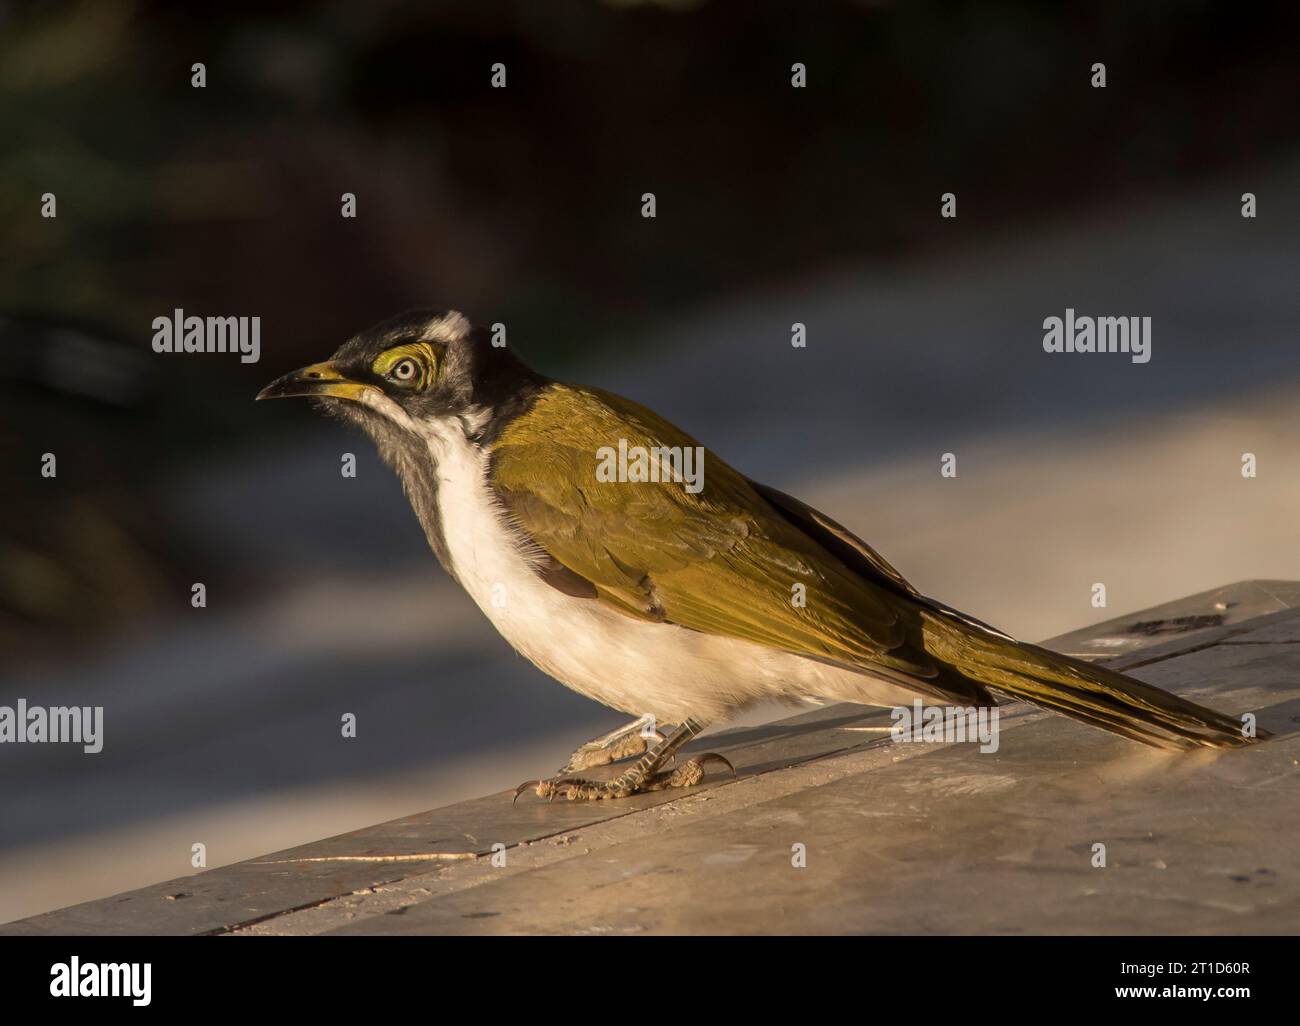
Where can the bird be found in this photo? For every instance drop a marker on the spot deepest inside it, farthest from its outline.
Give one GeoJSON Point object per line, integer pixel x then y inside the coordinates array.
{"type": "Point", "coordinates": [677, 601]}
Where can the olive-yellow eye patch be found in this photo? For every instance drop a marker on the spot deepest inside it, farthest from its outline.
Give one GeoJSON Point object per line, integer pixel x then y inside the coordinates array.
{"type": "Point", "coordinates": [413, 365]}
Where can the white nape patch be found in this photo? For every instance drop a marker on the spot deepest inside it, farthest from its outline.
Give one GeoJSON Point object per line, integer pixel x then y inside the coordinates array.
{"type": "Point", "coordinates": [451, 328]}
{"type": "Point", "coordinates": [632, 665]}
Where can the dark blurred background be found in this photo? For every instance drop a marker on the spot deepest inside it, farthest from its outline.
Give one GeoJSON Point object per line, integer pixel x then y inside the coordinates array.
{"type": "Point", "coordinates": [522, 205]}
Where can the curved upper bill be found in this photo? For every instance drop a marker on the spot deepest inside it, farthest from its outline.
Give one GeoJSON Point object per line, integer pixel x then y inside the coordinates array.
{"type": "Point", "coordinates": [318, 379]}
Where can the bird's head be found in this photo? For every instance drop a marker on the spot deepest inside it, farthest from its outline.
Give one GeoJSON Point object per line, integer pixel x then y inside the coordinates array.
{"type": "Point", "coordinates": [413, 371]}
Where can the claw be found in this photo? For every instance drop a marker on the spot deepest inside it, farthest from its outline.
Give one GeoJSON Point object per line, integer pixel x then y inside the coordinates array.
{"type": "Point", "coordinates": [688, 774]}
{"type": "Point", "coordinates": [707, 757]}
{"type": "Point", "coordinates": [524, 787]}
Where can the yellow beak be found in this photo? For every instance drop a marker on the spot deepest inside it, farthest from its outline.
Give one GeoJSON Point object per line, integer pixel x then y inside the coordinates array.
{"type": "Point", "coordinates": [318, 379]}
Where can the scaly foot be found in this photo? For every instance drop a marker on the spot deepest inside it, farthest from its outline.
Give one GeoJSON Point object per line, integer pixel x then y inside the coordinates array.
{"type": "Point", "coordinates": [626, 784]}
{"type": "Point", "coordinates": [617, 744]}
{"type": "Point", "coordinates": [646, 774]}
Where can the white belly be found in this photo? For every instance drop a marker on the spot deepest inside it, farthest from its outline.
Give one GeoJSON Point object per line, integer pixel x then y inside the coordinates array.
{"type": "Point", "coordinates": [641, 668]}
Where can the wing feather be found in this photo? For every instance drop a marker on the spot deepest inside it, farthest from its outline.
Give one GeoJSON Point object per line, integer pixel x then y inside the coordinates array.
{"type": "Point", "coordinates": [723, 560]}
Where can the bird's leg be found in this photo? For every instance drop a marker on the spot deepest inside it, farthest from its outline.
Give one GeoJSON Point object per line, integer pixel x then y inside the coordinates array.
{"type": "Point", "coordinates": [646, 774]}
{"type": "Point", "coordinates": [622, 743]}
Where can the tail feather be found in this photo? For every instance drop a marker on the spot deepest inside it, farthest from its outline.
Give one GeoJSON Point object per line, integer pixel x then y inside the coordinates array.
{"type": "Point", "coordinates": [1085, 691]}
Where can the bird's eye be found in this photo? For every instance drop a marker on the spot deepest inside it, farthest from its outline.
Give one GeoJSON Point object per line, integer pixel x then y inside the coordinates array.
{"type": "Point", "coordinates": [405, 371]}
{"type": "Point", "coordinates": [412, 366]}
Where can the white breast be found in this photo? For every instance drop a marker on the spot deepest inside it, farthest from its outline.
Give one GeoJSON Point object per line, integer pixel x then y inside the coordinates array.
{"type": "Point", "coordinates": [641, 668]}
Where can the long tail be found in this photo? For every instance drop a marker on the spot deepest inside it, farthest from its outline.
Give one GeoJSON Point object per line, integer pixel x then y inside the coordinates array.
{"type": "Point", "coordinates": [1085, 691]}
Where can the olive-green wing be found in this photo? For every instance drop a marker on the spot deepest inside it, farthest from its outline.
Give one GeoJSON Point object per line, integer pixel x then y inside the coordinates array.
{"type": "Point", "coordinates": [722, 560]}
